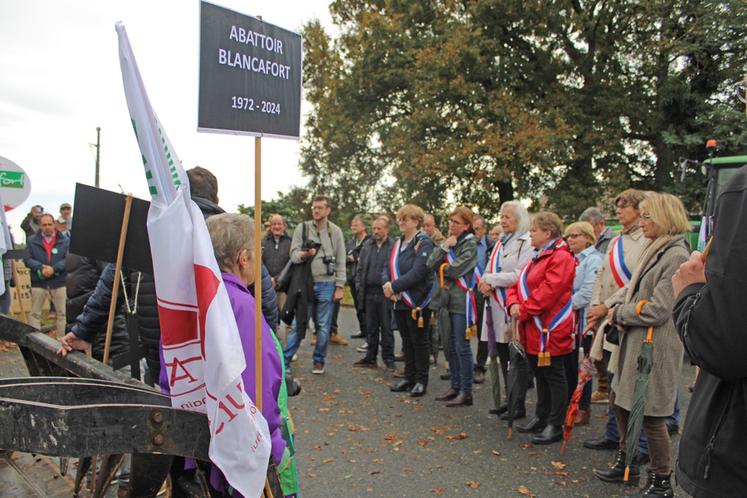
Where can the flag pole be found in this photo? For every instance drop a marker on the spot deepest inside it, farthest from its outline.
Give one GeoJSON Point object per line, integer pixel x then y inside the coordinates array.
{"type": "Point", "coordinates": [117, 272]}
{"type": "Point", "coordinates": [258, 269]}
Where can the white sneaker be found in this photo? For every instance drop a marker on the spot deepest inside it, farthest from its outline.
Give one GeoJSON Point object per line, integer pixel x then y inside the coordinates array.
{"type": "Point", "coordinates": [318, 368]}
{"type": "Point", "coordinates": [362, 348]}
{"type": "Point", "coordinates": [294, 357]}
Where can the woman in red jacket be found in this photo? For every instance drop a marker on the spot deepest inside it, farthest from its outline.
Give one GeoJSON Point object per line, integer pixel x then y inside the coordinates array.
{"type": "Point", "coordinates": [541, 301]}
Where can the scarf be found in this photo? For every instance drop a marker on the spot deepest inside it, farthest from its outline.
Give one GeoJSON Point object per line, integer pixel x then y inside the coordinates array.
{"type": "Point", "coordinates": [649, 254]}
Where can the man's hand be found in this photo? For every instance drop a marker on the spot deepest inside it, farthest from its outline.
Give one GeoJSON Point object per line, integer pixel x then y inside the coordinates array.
{"type": "Point", "coordinates": [449, 243]}
{"type": "Point", "coordinates": [514, 311]}
{"type": "Point", "coordinates": [338, 294]}
{"type": "Point", "coordinates": [47, 271]}
{"type": "Point", "coordinates": [70, 342]}
{"type": "Point", "coordinates": [690, 272]}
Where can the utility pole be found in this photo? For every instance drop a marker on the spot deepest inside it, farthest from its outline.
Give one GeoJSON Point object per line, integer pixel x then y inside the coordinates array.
{"type": "Point", "coordinates": [98, 155]}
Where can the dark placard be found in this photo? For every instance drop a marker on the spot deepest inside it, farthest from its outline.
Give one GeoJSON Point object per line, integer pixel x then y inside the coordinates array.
{"type": "Point", "coordinates": [250, 75]}
{"type": "Point", "coordinates": [98, 221]}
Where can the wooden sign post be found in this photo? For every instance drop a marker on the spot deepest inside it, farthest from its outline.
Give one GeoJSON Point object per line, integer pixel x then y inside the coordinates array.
{"type": "Point", "coordinates": [250, 84]}
{"type": "Point", "coordinates": [117, 272]}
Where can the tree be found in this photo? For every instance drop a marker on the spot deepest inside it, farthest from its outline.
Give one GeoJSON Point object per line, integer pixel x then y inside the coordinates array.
{"type": "Point", "coordinates": [441, 102]}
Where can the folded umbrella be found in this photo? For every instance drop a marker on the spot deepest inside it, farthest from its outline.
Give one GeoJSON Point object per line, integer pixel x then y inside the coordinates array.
{"type": "Point", "coordinates": [635, 419]}
{"type": "Point", "coordinates": [585, 373]}
{"type": "Point", "coordinates": [492, 364]}
{"type": "Point", "coordinates": [518, 377]}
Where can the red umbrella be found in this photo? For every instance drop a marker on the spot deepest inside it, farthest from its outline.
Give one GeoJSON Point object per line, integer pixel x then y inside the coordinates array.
{"type": "Point", "coordinates": [584, 376]}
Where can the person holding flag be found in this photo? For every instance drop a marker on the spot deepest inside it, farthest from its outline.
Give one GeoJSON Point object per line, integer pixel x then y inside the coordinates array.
{"type": "Point", "coordinates": [456, 260]}
{"type": "Point", "coordinates": [233, 243]}
{"type": "Point", "coordinates": [409, 283]}
{"type": "Point", "coordinates": [541, 302]}
{"type": "Point", "coordinates": [200, 341]}
{"type": "Point", "coordinates": [512, 251]}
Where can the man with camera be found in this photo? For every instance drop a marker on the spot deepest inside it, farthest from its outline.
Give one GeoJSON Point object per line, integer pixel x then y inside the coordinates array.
{"type": "Point", "coordinates": [320, 241]}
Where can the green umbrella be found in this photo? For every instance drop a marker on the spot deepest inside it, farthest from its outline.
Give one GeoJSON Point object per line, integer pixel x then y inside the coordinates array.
{"type": "Point", "coordinates": [635, 419]}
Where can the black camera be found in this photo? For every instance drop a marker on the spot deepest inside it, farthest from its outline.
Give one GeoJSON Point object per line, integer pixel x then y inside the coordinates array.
{"type": "Point", "coordinates": [310, 244]}
{"type": "Point", "coordinates": [331, 264]}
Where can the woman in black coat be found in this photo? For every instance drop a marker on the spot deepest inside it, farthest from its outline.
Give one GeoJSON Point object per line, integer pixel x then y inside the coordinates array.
{"type": "Point", "coordinates": [409, 284]}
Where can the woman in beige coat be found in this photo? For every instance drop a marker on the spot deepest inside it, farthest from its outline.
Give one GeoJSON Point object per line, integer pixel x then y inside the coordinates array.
{"type": "Point", "coordinates": [663, 221]}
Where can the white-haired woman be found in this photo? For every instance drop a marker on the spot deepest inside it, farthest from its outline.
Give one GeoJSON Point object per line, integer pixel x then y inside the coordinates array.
{"type": "Point", "coordinates": [502, 271]}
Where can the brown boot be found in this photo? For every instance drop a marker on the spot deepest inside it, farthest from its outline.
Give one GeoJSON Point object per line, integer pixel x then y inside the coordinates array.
{"type": "Point", "coordinates": [336, 339]}
{"type": "Point", "coordinates": [448, 395]}
{"type": "Point", "coordinates": [462, 399]}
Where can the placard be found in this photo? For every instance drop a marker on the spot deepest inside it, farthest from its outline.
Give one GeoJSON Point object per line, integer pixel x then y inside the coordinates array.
{"type": "Point", "coordinates": [250, 75]}
{"type": "Point", "coordinates": [98, 221]}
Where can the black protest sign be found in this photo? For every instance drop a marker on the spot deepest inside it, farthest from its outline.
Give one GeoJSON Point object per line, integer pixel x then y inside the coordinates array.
{"type": "Point", "coordinates": [98, 222]}
{"type": "Point", "coordinates": [250, 75]}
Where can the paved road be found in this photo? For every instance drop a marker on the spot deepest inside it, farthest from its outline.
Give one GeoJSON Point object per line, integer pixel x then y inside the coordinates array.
{"type": "Point", "coordinates": [356, 438]}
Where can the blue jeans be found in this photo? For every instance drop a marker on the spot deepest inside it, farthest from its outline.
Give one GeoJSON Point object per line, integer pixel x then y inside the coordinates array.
{"type": "Point", "coordinates": [322, 307]}
{"type": "Point", "coordinates": [460, 364]}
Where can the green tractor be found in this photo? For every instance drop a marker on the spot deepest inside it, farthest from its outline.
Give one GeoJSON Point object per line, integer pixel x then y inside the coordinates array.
{"type": "Point", "coordinates": [718, 171]}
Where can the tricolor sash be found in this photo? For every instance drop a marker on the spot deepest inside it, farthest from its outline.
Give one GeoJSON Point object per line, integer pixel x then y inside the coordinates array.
{"type": "Point", "coordinates": [620, 271]}
{"type": "Point", "coordinates": [494, 266]}
{"type": "Point", "coordinates": [470, 302]}
{"type": "Point", "coordinates": [394, 274]}
{"type": "Point", "coordinates": [565, 313]}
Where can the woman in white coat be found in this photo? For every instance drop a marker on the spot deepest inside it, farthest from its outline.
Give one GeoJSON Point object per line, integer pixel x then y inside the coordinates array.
{"type": "Point", "coordinates": [509, 255]}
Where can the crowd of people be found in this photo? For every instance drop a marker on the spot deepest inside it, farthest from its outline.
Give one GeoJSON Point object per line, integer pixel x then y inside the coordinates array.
{"type": "Point", "coordinates": [559, 294]}
{"type": "Point", "coordinates": [562, 293]}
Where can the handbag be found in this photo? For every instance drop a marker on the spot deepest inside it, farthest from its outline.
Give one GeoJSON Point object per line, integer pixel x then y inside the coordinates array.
{"type": "Point", "coordinates": [611, 334]}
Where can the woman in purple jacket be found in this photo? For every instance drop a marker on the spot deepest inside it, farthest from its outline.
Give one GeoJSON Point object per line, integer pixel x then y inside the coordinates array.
{"type": "Point", "coordinates": [233, 244]}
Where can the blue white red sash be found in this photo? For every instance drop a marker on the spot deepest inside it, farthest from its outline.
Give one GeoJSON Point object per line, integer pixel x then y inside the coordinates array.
{"type": "Point", "coordinates": [620, 271]}
{"type": "Point", "coordinates": [494, 266]}
{"type": "Point", "coordinates": [565, 313]}
{"type": "Point", "coordinates": [468, 288]}
{"type": "Point", "coordinates": [394, 274]}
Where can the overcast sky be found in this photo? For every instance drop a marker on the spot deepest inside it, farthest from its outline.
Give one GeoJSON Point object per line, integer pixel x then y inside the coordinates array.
{"type": "Point", "coordinates": [60, 79]}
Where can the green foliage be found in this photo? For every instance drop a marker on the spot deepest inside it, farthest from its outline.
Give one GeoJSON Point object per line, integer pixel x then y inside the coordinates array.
{"type": "Point", "coordinates": [293, 206]}
{"type": "Point", "coordinates": [440, 102]}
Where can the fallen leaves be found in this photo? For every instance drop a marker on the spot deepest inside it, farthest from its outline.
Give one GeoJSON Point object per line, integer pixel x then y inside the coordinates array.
{"type": "Point", "coordinates": [422, 442]}
{"type": "Point", "coordinates": [496, 453]}
{"type": "Point", "coordinates": [457, 437]}
{"type": "Point", "coordinates": [525, 491]}
{"type": "Point", "coordinates": [473, 484]}
{"type": "Point", "coordinates": [558, 465]}
{"type": "Point", "coordinates": [438, 491]}
{"type": "Point", "coordinates": [374, 472]}
{"type": "Point", "coordinates": [328, 460]}
{"type": "Point", "coordinates": [356, 428]}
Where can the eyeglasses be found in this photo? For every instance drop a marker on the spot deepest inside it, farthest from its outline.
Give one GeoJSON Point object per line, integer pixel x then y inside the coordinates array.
{"type": "Point", "coordinates": [646, 216]}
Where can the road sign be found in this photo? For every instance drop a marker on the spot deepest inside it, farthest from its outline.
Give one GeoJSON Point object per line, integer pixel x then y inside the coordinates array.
{"type": "Point", "coordinates": [15, 185]}
{"type": "Point", "coordinates": [250, 75]}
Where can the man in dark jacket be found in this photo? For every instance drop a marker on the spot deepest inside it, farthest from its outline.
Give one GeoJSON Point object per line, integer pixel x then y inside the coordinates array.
{"type": "Point", "coordinates": [83, 275]}
{"type": "Point", "coordinates": [353, 249]}
{"type": "Point", "coordinates": [204, 191]}
{"type": "Point", "coordinates": [30, 224]}
{"type": "Point", "coordinates": [710, 315]}
{"type": "Point", "coordinates": [276, 252]}
{"type": "Point", "coordinates": [46, 262]}
{"type": "Point", "coordinates": [369, 279]}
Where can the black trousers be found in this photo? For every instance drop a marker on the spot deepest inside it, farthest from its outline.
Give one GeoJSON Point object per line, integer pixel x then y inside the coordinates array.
{"type": "Point", "coordinates": [552, 389]}
{"type": "Point", "coordinates": [378, 323]}
{"type": "Point", "coordinates": [503, 356]}
{"type": "Point", "coordinates": [415, 343]}
{"type": "Point", "coordinates": [482, 346]}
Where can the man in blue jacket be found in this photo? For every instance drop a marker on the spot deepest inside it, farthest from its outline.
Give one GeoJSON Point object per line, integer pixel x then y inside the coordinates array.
{"type": "Point", "coordinates": [46, 261]}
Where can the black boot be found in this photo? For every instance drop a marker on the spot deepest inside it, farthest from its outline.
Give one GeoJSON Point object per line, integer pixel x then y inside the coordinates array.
{"type": "Point", "coordinates": [658, 487]}
{"type": "Point", "coordinates": [617, 472]}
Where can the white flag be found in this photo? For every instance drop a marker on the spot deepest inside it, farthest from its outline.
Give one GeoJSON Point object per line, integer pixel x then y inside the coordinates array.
{"type": "Point", "coordinates": [202, 350]}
